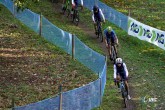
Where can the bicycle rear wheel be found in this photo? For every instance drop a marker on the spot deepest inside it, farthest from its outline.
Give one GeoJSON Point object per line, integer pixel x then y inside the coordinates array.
{"type": "Point", "coordinates": [68, 12]}
{"type": "Point", "coordinates": [100, 34]}
{"type": "Point", "coordinates": [76, 17]}
{"type": "Point", "coordinates": [125, 102]}
{"type": "Point", "coordinates": [113, 53]}
{"type": "Point", "coordinates": [124, 96]}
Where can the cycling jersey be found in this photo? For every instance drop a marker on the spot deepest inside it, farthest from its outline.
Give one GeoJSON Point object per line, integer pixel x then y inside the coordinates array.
{"type": "Point", "coordinates": [98, 16]}
{"type": "Point", "coordinates": [110, 37]}
{"type": "Point", "coordinates": [121, 70]}
{"type": "Point", "coordinates": [76, 2]}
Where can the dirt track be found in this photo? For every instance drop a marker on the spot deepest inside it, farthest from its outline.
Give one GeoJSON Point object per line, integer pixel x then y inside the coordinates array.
{"type": "Point", "coordinates": [90, 32]}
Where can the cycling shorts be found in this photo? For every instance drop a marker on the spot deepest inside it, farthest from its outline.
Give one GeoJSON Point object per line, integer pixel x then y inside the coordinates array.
{"type": "Point", "coordinates": [97, 19]}
{"type": "Point", "coordinates": [110, 40]}
{"type": "Point", "coordinates": [123, 76]}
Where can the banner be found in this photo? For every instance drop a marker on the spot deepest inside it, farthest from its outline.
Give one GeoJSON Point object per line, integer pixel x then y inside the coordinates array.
{"type": "Point", "coordinates": [147, 33]}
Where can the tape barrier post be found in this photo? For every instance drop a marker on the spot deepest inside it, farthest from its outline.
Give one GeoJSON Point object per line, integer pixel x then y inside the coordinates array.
{"type": "Point", "coordinates": [13, 103]}
{"type": "Point", "coordinates": [100, 88]}
{"type": "Point", "coordinates": [13, 99]}
{"type": "Point", "coordinates": [13, 8]}
{"type": "Point", "coordinates": [60, 98]}
{"type": "Point", "coordinates": [73, 46]}
{"type": "Point", "coordinates": [40, 31]}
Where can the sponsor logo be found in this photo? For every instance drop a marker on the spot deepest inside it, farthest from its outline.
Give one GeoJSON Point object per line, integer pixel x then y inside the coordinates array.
{"type": "Point", "coordinates": [144, 32]}
{"type": "Point", "coordinates": [147, 99]}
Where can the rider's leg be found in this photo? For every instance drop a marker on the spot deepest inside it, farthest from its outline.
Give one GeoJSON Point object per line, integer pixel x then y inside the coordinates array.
{"type": "Point", "coordinates": [114, 44]}
{"type": "Point", "coordinates": [107, 43]}
{"type": "Point", "coordinates": [127, 89]}
{"type": "Point", "coordinates": [95, 27]}
{"type": "Point", "coordinates": [109, 50]}
{"type": "Point", "coordinates": [116, 50]}
{"type": "Point", "coordinates": [72, 11]}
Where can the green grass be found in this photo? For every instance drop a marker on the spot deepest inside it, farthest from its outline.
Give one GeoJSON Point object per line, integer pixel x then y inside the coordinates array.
{"type": "Point", "coordinates": [149, 12]}
{"type": "Point", "coordinates": [145, 61]}
{"type": "Point", "coordinates": [32, 68]}
{"type": "Point", "coordinates": [53, 15]}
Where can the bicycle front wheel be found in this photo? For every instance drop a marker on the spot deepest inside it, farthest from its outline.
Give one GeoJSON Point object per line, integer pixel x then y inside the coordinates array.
{"type": "Point", "coordinates": [100, 34]}
{"type": "Point", "coordinates": [124, 96]}
{"type": "Point", "coordinates": [125, 102]}
{"type": "Point", "coordinates": [76, 18]}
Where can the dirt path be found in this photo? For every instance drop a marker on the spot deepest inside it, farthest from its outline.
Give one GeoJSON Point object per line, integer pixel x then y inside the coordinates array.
{"type": "Point", "coordinates": [90, 32]}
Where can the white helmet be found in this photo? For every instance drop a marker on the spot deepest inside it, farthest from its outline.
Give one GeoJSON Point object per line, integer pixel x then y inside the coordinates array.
{"type": "Point", "coordinates": [119, 60]}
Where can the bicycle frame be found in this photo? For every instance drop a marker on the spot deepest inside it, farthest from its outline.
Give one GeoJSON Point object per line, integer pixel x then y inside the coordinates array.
{"type": "Point", "coordinates": [113, 52]}
{"type": "Point", "coordinates": [99, 30]}
{"type": "Point", "coordinates": [76, 16]}
{"type": "Point", "coordinates": [123, 92]}
{"type": "Point", "coordinates": [66, 8]}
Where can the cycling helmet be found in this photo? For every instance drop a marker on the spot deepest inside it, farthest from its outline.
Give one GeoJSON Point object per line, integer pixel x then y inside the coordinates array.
{"type": "Point", "coordinates": [119, 60]}
{"type": "Point", "coordinates": [109, 28]}
{"type": "Point", "coordinates": [95, 8]}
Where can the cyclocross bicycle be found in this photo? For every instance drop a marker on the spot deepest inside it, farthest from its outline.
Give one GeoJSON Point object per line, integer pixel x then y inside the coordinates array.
{"type": "Point", "coordinates": [66, 9]}
{"type": "Point", "coordinates": [75, 18]}
{"type": "Point", "coordinates": [123, 92]}
{"type": "Point", "coordinates": [99, 31]}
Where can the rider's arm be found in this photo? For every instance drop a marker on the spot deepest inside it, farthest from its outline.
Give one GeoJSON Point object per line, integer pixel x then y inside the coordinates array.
{"type": "Point", "coordinates": [73, 2]}
{"type": "Point", "coordinates": [116, 39]}
{"type": "Point", "coordinates": [105, 31]}
{"type": "Point", "coordinates": [102, 15]}
{"type": "Point", "coordinates": [114, 75]}
{"type": "Point", "coordinates": [106, 43]}
{"type": "Point", "coordinates": [125, 68]}
{"type": "Point", "coordinates": [81, 2]}
{"type": "Point", "coordinates": [93, 18]}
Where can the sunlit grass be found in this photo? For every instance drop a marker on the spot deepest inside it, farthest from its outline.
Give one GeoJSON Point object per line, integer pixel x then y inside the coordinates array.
{"type": "Point", "coordinates": [31, 67]}
{"type": "Point", "coordinates": [145, 61]}
{"type": "Point", "coordinates": [142, 10]}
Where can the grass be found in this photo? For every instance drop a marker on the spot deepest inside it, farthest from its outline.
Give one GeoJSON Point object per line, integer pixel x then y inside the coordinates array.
{"type": "Point", "coordinates": [32, 68]}
{"type": "Point", "coordinates": [150, 12]}
{"type": "Point", "coordinates": [52, 14]}
{"type": "Point", "coordinates": [145, 61]}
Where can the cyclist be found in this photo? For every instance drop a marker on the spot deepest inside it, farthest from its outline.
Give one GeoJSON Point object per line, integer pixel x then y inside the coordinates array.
{"type": "Point", "coordinates": [75, 5]}
{"type": "Point", "coordinates": [110, 39]}
{"type": "Point", "coordinates": [121, 71]}
{"type": "Point", "coordinates": [97, 15]}
{"type": "Point", "coordinates": [66, 5]}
